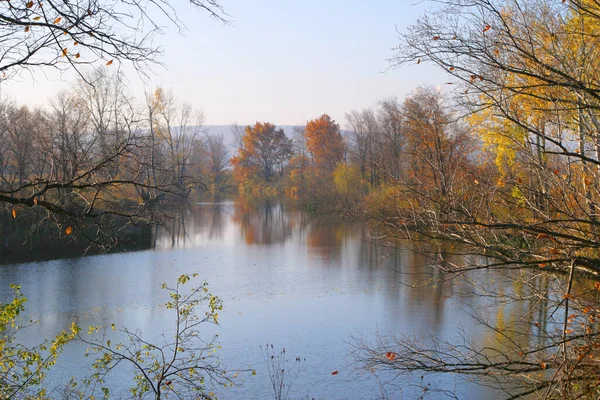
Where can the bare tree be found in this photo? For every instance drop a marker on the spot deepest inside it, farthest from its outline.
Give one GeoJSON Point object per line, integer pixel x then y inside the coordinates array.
{"type": "Point", "coordinates": [73, 34]}
{"type": "Point", "coordinates": [217, 159]}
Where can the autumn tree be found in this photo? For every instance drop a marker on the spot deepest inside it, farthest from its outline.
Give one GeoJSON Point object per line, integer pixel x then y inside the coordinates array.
{"type": "Point", "coordinates": [437, 146]}
{"type": "Point", "coordinates": [325, 143]}
{"type": "Point", "coordinates": [265, 151]}
{"type": "Point", "coordinates": [524, 73]}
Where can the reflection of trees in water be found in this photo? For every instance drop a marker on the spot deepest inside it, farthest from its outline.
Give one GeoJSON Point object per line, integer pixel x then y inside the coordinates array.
{"type": "Point", "coordinates": [327, 235]}
{"type": "Point", "coordinates": [199, 221]}
{"type": "Point", "coordinates": [173, 230]}
{"type": "Point", "coordinates": [263, 222]}
{"type": "Point", "coordinates": [412, 272]}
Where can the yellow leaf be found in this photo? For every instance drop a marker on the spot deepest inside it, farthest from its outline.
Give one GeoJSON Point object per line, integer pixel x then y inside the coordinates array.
{"type": "Point", "coordinates": [69, 230]}
{"type": "Point", "coordinates": [37, 18]}
{"type": "Point", "coordinates": [110, 62]}
{"type": "Point", "coordinates": [112, 326]}
{"type": "Point", "coordinates": [14, 213]}
{"type": "Point", "coordinates": [57, 20]}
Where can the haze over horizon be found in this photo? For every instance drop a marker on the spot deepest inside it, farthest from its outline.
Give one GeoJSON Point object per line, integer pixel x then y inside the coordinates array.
{"type": "Point", "coordinates": [282, 63]}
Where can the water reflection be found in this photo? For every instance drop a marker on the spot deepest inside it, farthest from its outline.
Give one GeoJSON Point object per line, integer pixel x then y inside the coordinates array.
{"type": "Point", "coordinates": [303, 282]}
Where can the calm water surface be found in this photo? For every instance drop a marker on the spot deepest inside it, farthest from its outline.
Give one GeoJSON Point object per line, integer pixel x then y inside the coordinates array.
{"type": "Point", "coordinates": [305, 283]}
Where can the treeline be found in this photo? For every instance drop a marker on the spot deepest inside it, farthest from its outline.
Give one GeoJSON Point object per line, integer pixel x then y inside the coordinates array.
{"type": "Point", "coordinates": [95, 154]}
{"type": "Point", "coordinates": [417, 142]}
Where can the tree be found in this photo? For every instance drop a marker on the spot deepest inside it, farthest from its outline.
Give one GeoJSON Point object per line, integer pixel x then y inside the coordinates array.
{"type": "Point", "coordinates": [266, 150]}
{"type": "Point", "coordinates": [184, 366]}
{"type": "Point", "coordinates": [436, 145]}
{"type": "Point", "coordinates": [523, 70]}
{"type": "Point", "coordinates": [217, 159]}
{"type": "Point", "coordinates": [73, 34]}
{"type": "Point", "coordinates": [23, 369]}
{"type": "Point", "coordinates": [324, 143]}
{"type": "Point", "coordinates": [175, 131]}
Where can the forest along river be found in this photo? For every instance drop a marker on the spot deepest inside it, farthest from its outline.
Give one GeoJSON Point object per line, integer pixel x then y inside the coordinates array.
{"type": "Point", "coordinates": [305, 283]}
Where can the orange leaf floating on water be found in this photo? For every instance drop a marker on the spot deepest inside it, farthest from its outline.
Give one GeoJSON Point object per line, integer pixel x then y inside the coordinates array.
{"type": "Point", "coordinates": [335, 372]}
{"type": "Point", "coordinates": [69, 230]}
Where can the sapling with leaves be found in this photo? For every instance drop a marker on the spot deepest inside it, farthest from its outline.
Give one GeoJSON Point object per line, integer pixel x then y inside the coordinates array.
{"type": "Point", "coordinates": [23, 369]}
{"type": "Point", "coordinates": [183, 365]}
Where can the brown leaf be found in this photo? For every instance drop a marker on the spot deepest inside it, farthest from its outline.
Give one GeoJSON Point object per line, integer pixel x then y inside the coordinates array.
{"type": "Point", "coordinates": [27, 28]}
{"type": "Point", "coordinates": [110, 62]}
{"type": "Point", "coordinates": [335, 372]}
{"type": "Point", "coordinates": [29, 4]}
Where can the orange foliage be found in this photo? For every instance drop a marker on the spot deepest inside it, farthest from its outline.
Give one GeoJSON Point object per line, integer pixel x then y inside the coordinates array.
{"type": "Point", "coordinates": [265, 151]}
{"type": "Point", "coordinates": [324, 142]}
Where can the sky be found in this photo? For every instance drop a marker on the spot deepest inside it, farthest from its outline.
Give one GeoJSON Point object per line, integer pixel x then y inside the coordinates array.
{"type": "Point", "coordinates": [280, 61]}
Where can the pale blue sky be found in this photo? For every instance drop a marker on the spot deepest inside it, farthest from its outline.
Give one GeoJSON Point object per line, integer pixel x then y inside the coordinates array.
{"type": "Point", "coordinates": [279, 61]}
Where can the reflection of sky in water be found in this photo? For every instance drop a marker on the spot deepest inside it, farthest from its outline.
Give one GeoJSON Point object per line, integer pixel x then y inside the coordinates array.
{"type": "Point", "coordinates": [304, 283]}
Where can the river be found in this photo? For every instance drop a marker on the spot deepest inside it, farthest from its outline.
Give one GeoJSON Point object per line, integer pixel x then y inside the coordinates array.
{"type": "Point", "coordinates": [309, 284]}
